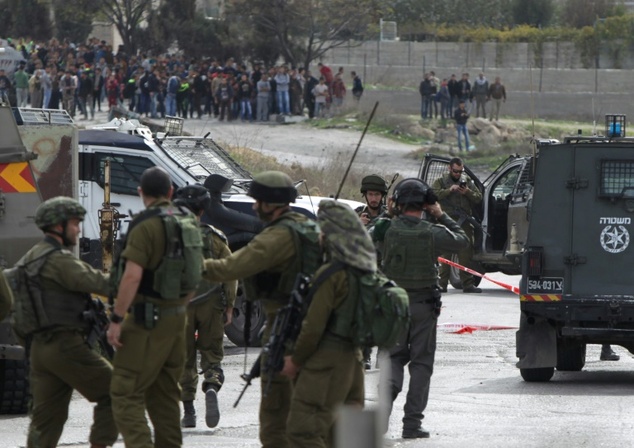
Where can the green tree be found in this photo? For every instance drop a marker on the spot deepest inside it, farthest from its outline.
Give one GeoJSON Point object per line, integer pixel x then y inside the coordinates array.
{"type": "Point", "coordinates": [538, 13]}
{"type": "Point", "coordinates": [305, 30]}
{"type": "Point", "coordinates": [127, 15]}
{"type": "Point", "coordinates": [26, 18]}
{"type": "Point", "coordinates": [580, 13]}
{"type": "Point", "coordinates": [73, 21]}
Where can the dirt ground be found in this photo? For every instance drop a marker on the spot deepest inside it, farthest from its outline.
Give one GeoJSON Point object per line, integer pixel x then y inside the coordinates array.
{"type": "Point", "coordinates": [304, 144]}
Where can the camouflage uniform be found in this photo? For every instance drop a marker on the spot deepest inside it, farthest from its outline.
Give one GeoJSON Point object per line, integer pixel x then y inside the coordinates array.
{"type": "Point", "coordinates": [150, 363]}
{"type": "Point", "coordinates": [331, 365]}
{"type": "Point", "coordinates": [60, 359]}
{"type": "Point", "coordinates": [456, 205]}
{"type": "Point", "coordinates": [205, 315]}
{"type": "Point", "coordinates": [272, 251]}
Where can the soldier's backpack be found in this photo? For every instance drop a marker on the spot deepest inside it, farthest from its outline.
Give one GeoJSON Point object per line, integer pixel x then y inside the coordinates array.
{"type": "Point", "coordinates": [28, 314]}
{"type": "Point", "coordinates": [376, 311]}
{"type": "Point", "coordinates": [180, 270]}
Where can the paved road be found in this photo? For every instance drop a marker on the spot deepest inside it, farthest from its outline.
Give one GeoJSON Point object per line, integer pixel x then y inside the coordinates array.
{"type": "Point", "coordinates": [478, 398]}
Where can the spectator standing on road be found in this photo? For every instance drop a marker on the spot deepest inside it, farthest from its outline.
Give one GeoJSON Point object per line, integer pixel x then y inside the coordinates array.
{"type": "Point", "coordinates": [338, 92]}
{"type": "Point", "coordinates": [245, 92]}
{"type": "Point", "coordinates": [309, 95]}
{"type": "Point", "coordinates": [445, 99]}
{"type": "Point", "coordinates": [68, 86]}
{"type": "Point", "coordinates": [208, 313]}
{"type": "Point", "coordinates": [409, 247]}
{"type": "Point", "coordinates": [112, 90]}
{"type": "Point", "coordinates": [480, 91]}
{"type": "Point", "coordinates": [21, 81]}
{"type": "Point", "coordinates": [36, 89]}
{"type": "Point", "coordinates": [426, 93]}
{"type": "Point", "coordinates": [173, 83]}
{"type": "Point", "coordinates": [282, 82]}
{"type": "Point", "coordinates": [357, 86]}
{"type": "Point", "coordinates": [465, 90]}
{"type": "Point", "coordinates": [296, 92]}
{"type": "Point", "coordinates": [263, 88]}
{"type": "Point", "coordinates": [98, 83]}
{"type": "Point", "coordinates": [458, 196]}
{"type": "Point", "coordinates": [60, 359]}
{"type": "Point", "coordinates": [85, 95]}
{"type": "Point", "coordinates": [461, 116]}
{"type": "Point", "coordinates": [224, 96]}
{"type": "Point", "coordinates": [5, 86]}
{"type": "Point", "coordinates": [454, 92]}
{"type": "Point", "coordinates": [497, 94]}
{"type": "Point", "coordinates": [435, 86]}
{"type": "Point", "coordinates": [320, 91]}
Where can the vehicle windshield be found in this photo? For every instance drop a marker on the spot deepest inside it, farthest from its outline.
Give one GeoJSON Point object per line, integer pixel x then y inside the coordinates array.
{"type": "Point", "coordinates": [201, 157]}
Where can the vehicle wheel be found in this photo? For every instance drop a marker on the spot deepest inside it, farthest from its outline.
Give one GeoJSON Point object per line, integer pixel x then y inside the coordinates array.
{"type": "Point", "coordinates": [454, 275]}
{"type": "Point", "coordinates": [14, 381]}
{"type": "Point", "coordinates": [571, 355]}
{"type": "Point", "coordinates": [539, 375]}
{"type": "Point", "coordinates": [235, 331]}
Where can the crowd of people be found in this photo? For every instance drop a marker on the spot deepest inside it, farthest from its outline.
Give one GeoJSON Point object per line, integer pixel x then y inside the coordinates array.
{"type": "Point", "coordinates": [441, 98]}
{"type": "Point", "coordinates": [59, 74]}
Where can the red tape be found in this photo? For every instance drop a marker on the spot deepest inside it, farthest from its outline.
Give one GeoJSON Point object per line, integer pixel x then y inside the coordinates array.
{"type": "Point", "coordinates": [470, 328]}
{"type": "Point", "coordinates": [514, 289]}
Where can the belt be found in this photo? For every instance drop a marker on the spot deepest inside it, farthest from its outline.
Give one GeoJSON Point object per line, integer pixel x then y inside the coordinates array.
{"type": "Point", "coordinates": [171, 311]}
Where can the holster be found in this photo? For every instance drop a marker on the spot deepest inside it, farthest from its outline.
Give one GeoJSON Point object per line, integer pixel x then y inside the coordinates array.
{"type": "Point", "coordinates": [145, 314]}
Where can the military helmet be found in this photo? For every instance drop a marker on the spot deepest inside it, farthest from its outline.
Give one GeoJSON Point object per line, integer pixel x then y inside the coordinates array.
{"type": "Point", "coordinates": [273, 187]}
{"type": "Point", "coordinates": [373, 182]}
{"type": "Point", "coordinates": [195, 197]}
{"type": "Point", "coordinates": [58, 210]}
{"type": "Point", "coordinates": [413, 191]}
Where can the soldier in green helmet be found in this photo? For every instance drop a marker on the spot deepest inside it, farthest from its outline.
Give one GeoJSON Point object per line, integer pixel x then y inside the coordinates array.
{"type": "Point", "coordinates": [410, 246]}
{"type": "Point", "coordinates": [207, 314]}
{"type": "Point", "coordinates": [373, 189]}
{"type": "Point", "coordinates": [157, 274]}
{"type": "Point", "coordinates": [51, 322]}
{"type": "Point", "coordinates": [269, 264]}
{"type": "Point", "coordinates": [325, 363]}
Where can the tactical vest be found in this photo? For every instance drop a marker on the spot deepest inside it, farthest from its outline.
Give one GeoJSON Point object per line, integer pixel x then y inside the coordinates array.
{"type": "Point", "coordinates": [206, 288]}
{"type": "Point", "coordinates": [408, 253]}
{"type": "Point", "coordinates": [342, 319]}
{"type": "Point", "coordinates": [278, 285]}
{"type": "Point", "coordinates": [180, 270]}
{"type": "Point", "coordinates": [37, 309]}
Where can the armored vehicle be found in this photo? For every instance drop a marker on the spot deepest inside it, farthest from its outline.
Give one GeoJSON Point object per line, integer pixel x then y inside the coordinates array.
{"type": "Point", "coordinates": [576, 287]}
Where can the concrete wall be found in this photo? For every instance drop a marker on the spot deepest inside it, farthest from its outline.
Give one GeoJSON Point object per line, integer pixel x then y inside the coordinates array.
{"type": "Point", "coordinates": [562, 89]}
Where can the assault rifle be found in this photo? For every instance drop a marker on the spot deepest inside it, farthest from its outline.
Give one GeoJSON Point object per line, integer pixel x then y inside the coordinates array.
{"type": "Point", "coordinates": [97, 319]}
{"type": "Point", "coordinates": [286, 328]}
{"type": "Point", "coordinates": [253, 374]}
{"type": "Point", "coordinates": [464, 216]}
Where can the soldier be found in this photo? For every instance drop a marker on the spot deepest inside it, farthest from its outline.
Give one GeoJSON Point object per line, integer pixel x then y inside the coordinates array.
{"type": "Point", "coordinates": [269, 264]}
{"type": "Point", "coordinates": [60, 359]}
{"type": "Point", "coordinates": [373, 189]}
{"type": "Point", "coordinates": [410, 246]}
{"type": "Point", "coordinates": [155, 284]}
{"type": "Point", "coordinates": [458, 195]}
{"type": "Point", "coordinates": [331, 371]}
{"type": "Point", "coordinates": [6, 297]}
{"type": "Point", "coordinates": [207, 313]}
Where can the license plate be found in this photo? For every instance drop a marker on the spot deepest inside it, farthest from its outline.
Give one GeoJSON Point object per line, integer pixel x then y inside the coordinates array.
{"type": "Point", "coordinates": [546, 285]}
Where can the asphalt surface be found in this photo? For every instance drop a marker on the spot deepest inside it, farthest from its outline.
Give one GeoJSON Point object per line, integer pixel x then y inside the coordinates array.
{"type": "Point", "coordinates": [477, 398]}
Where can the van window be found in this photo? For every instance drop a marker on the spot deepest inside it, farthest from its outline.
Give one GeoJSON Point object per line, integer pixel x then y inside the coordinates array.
{"type": "Point", "coordinates": [125, 172]}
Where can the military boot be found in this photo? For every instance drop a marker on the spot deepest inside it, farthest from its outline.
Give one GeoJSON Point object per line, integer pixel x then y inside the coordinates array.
{"type": "Point", "coordinates": [189, 415]}
{"type": "Point", "coordinates": [212, 413]}
{"type": "Point", "coordinates": [607, 354]}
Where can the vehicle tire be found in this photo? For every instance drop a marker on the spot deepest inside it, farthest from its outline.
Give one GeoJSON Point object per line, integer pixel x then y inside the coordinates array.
{"type": "Point", "coordinates": [454, 275]}
{"type": "Point", "coordinates": [571, 355]}
{"type": "Point", "coordinates": [235, 331]}
{"type": "Point", "coordinates": [14, 383]}
{"type": "Point", "coordinates": [539, 375]}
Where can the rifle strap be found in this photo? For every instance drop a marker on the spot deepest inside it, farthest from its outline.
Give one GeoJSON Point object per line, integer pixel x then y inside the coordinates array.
{"type": "Point", "coordinates": [336, 266]}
